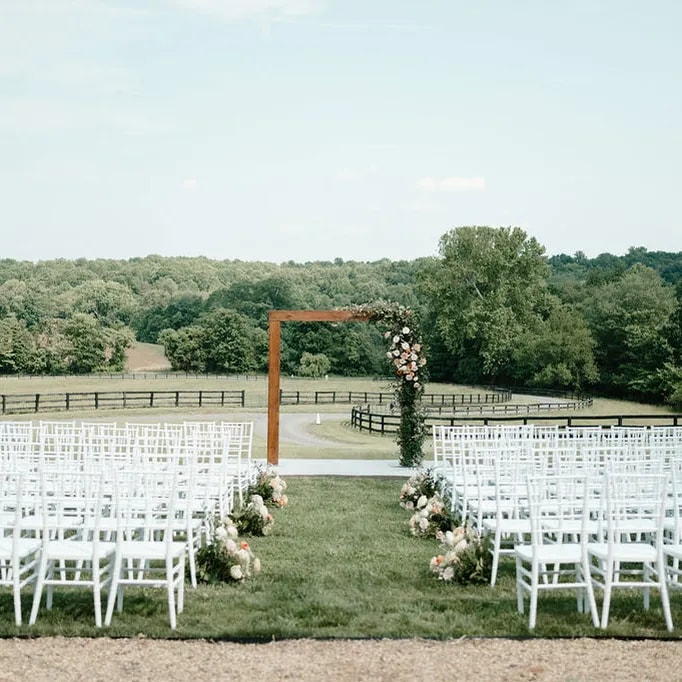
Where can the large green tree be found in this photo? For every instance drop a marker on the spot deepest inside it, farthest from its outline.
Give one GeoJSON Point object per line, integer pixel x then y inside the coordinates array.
{"type": "Point", "coordinates": [221, 342]}
{"type": "Point", "coordinates": [488, 286]}
{"type": "Point", "coordinates": [628, 318]}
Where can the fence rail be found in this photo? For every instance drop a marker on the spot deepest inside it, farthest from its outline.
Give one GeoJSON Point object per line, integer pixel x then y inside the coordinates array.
{"type": "Point", "coordinates": [385, 423]}
{"type": "Point", "coordinates": [437, 400]}
{"type": "Point", "coordinates": [56, 402]}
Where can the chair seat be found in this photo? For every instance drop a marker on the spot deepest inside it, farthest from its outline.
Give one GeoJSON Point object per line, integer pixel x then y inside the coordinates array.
{"type": "Point", "coordinates": [154, 551]}
{"type": "Point", "coordinates": [623, 551]}
{"type": "Point", "coordinates": [563, 553]}
{"type": "Point", "coordinates": [26, 546]}
{"type": "Point", "coordinates": [76, 550]}
{"type": "Point", "coordinates": [507, 526]}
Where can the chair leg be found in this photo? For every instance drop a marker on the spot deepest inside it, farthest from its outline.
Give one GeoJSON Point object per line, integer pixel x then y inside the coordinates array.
{"type": "Point", "coordinates": [37, 595]}
{"type": "Point", "coordinates": [113, 590]}
{"type": "Point", "coordinates": [496, 557]}
{"type": "Point", "coordinates": [665, 596]}
{"type": "Point", "coordinates": [519, 588]}
{"type": "Point", "coordinates": [533, 610]}
{"type": "Point", "coordinates": [608, 585]}
{"type": "Point", "coordinates": [16, 588]}
{"type": "Point", "coordinates": [170, 589]}
{"type": "Point", "coordinates": [181, 585]}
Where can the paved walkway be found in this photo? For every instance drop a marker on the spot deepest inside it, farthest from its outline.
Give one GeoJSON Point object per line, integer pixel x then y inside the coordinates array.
{"type": "Point", "coordinates": [342, 467]}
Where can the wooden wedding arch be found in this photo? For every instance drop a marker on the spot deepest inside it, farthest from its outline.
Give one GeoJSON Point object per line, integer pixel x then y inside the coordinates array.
{"type": "Point", "coordinates": [276, 318]}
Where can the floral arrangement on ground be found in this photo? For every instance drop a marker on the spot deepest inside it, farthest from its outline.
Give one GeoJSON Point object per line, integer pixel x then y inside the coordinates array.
{"type": "Point", "coordinates": [270, 486]}
{"type": "Point", "coordinates": [224, 558]}
{"type": "Point", "coordinates": [253, 518]}
{"type": "Point", "coordinates": [465, 557]}
{"type": "Point", "coordinates": [422, 483]}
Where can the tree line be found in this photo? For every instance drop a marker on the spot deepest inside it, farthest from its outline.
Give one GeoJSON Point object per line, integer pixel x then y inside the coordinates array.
{"type": "Point", "coordinates": [495, 310]}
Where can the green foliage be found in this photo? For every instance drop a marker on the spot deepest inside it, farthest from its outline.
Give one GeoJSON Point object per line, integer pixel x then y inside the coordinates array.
{"type": "Point", "coordinates": [314, 365]}
{"type": "Point", "coordinates": [628, 319]}
{"type": "Point", "coordinates": [487, 288]}
{"type": "Point", "coordinates": [221, 342]}
{"type": "Point", "coordinates": [557, 352]}
{"type": "Point", "coordinates": [180, 312]}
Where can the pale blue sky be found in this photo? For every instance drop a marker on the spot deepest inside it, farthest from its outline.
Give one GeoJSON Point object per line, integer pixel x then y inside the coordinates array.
{"type": "Point", "coordinates": [314, 129]}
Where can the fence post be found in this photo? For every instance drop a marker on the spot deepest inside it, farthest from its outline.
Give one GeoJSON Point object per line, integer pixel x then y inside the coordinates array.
{"type": "Point", "coordinates": [200, 397]}
{"type": "Point", "coordinates": [243, 397]}
{"type": "Point", "coordinates": [37, 401]}
{"type": "Point", "coordinates": [124, 399]}
{"type": "Point", "coordinates": [4, 403]}
{"type": "Point", "coordinates": [177, 398]}
{"type": "Point", "coordinates": [151, 398]}
{"type": "Point", "coordinates": [67, 401]}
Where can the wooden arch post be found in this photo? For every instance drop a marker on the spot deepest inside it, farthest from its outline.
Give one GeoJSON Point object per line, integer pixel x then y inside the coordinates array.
{"type": "Point", "coordinates": [276, 318]}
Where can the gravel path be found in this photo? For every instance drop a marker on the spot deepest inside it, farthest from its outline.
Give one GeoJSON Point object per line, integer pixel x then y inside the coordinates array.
{"type": "Point", "coordinates": [577, 660]}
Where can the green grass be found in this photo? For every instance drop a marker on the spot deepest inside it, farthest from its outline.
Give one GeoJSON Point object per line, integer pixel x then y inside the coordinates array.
{"type": "Point", "coordinates": [341, 563]}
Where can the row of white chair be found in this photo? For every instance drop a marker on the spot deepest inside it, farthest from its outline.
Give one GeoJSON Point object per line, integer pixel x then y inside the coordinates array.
{"type": "Point", "coordinates": [107, 529]}
{"type": "Point", "coordinates": [605, 532]}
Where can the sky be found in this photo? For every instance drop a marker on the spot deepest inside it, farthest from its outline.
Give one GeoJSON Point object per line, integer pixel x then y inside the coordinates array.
{"type": "Point", "coordinates": [304, 130]}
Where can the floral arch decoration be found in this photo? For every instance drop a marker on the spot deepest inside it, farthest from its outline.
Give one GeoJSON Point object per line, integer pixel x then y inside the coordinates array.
{"type": "Point", "coordinates": [405, 354]}
{"type": "Point", "coordinates": [407, 360]}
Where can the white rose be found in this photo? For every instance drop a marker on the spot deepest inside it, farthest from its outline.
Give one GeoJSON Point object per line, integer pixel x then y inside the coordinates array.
{"type": "Point", "coordinates": [421, 502]}
{"type": "Point", "coordinates": [232, 532]}
{"type": "Point", "coordinates": [244, 557]}
{"type": "Point", "coordinates": [257, 500]}
{"type": "Point", "coordinates": [236, 572]}
{"type": "Point", "coordinates": [221, 533]}
{"type": "Point", "coordinates": [231, 546]}
{"type": "Point", "coordinates": [406, 330]}
{"type": "Point", "coordinates": [423, 523]}
{"type": "Point", "coordinates": [461, 546]}
{"type": "Point", "coordinates": [448, 573]}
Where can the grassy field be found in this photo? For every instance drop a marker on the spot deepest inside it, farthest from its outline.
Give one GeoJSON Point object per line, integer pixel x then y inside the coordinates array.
{"type": "Point", "coordinates": [341, 563]}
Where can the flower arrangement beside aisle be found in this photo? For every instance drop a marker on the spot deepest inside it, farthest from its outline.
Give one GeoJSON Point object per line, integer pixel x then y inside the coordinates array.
{"type": "Point", "coordinates": [224, 558]}
{"type": "Point", "coordinates": [254, 518]}
{"type": "Point", "coordinates": [423, 483]}
{"type": "Point", "coordinates": [270, 486]}
{"type": "Point", "coordinates": [430, 517]}
{"type": "Point", "coordinates": [465, 557]}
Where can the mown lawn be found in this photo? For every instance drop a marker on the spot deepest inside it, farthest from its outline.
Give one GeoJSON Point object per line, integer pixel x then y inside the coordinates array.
{"type": "Point", "coordinates": [341, 563]}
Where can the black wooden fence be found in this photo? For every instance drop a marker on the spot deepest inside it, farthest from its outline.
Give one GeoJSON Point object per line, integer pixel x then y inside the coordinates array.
{"type": "Point", "coordinates": [107, 400]}
{"type": "Point", "coordinates": [384, 423]}
{"type": "Point", "coordinates": [447, 400]}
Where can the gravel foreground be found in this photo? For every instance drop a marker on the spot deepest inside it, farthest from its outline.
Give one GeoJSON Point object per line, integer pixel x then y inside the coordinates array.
{"type": "Point", "coordinates": [572, 660]}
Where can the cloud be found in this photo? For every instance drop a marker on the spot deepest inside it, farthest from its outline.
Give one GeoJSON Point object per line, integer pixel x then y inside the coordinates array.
{"type": "Point", "coordinates": [452, 184]}
{"type": "Point", "coordinates": [233, 10]}
{"type": "Point", "coordinates": [190, 184]}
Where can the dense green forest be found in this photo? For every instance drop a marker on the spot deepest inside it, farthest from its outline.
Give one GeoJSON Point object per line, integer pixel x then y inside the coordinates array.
{"type": "Point", "coordinates": [495, 309]}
